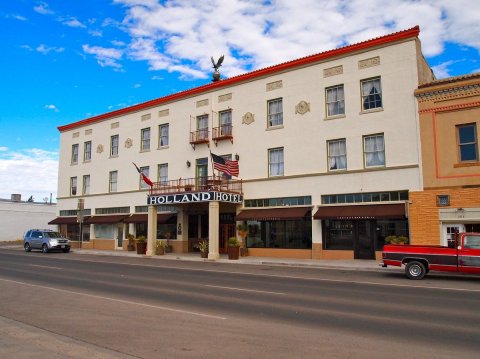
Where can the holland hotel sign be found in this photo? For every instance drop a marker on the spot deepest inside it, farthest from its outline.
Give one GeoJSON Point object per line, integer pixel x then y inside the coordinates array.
{"type": "Point", "coordinates": [210, 196]}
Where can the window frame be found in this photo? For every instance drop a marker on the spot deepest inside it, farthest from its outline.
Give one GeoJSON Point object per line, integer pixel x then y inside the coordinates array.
{"type": "Point", "coordinates": [163, 180]}
{"type": "Point", "coordinates": [146, 171]}
{"type": "Point", "coordinates": [474, 143]}
{"type": "Point", "coordinates": [225, 126]}
{"type": "Point", "coordinates": [329, 155]}
{"type": "Point", "coordinates": [270, 121]}
{"type": "Point", "coordinates": [202, 132]}
{"type": "Point", "coordinates": [87, 151]}
{"type": "Point", "coordinates": [364, 97]}
{"type": "Point", "coordinates": [280, 164]}
{"type": "Point", "coordinates": [161, 136]}
{"type": "Point", "coordinates": [85, 187]}
{"type": "Point", "coordinates": [327, 103]}
{"type": "Point", "coordinates": [74, 157]}
{"type": "Point", "coordinates": [144, 141]}
{"type": "Point", "coordinates": [114, 148]}
{"type": "Point", "coordinates": [73, 186]}
{"type": "Point", "coordinates": [113, 182]}
{"type": "Point", "coordinates": [365, 153]}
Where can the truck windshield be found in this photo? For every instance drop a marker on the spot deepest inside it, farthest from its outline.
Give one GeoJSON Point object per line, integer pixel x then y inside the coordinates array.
{"type": "Point", "coordinates": [472, 241]}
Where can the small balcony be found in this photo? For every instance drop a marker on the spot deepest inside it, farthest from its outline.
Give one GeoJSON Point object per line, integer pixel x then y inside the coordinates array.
{"type": "Point", "coordinates": [198, 137]}
{"type": "Point", "coordinates": [199, 184]}
{"type": "Point", "coordinates": [224, 132]}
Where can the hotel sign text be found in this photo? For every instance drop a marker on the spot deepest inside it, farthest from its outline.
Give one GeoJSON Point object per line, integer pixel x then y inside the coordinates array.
{"type": "Point", "coordinates": [211, 196]}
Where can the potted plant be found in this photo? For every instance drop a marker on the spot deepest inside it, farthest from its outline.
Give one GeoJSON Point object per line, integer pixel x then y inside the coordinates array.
{"type": "Point", "coordinates": [141, 245]}
{"type": "Point", "coordinates": [233, 248]}
{"type": "Point", "coordinates": [396, 240]}
{"type": "Point", "coordinates": [160, 247]}
{"type": "Point", "coordinates": [131, 242]}
{"type": "Point", "coordinates": [203, 246]}
{"type": "Point", "coordinates": [242, 229]}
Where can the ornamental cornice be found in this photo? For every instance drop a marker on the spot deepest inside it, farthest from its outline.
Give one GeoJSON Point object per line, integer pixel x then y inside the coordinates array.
{"type": "Point", "coordinates": [449, 93]}
{"type": "Point", "coordinates": [451, 107]}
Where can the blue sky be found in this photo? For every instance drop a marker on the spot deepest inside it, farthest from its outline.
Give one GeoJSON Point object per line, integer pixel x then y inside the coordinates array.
{"type": "Point", "coordinates": [66, 60]}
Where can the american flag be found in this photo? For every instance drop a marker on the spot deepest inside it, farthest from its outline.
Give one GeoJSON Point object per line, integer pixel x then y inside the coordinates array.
{"type": "Point", "coordinates": [145, 178]}
{"type": "Point", "coordinates": [226, 166]}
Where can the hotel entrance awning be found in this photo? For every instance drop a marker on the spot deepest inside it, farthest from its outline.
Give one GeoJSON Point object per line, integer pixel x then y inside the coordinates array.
{"type": "Point", "coordinates": [370, 211]}
{"type": "Point", "coordinates": [273, 214]}
{"type": "Point", "coordinates": [66, 220]}
{"type": "Point", "coordinates": [106, 219]}
{"type": "Point", "coordinates": [143, 218]}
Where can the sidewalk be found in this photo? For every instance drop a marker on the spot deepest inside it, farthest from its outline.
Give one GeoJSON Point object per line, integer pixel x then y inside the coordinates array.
{"type": "Point", "coordinates": [352, 264]}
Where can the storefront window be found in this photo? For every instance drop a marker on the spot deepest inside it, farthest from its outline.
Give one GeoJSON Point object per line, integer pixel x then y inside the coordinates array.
{"type": "Point", "coordinates": [338, 235]}
{"type": "Point", "coordinates": [280, 234]}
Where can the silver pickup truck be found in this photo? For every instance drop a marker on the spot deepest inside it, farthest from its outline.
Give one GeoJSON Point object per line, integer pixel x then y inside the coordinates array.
{"type": "Point", "coordinates": [46, 240]}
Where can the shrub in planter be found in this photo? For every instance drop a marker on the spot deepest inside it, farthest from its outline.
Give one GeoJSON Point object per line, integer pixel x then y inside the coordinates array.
{"type": "Point", "coordinates": [203, 246]}
{"type": "Point", "coordinates": [233, 248]}
{"type": "Point", "coordinates": [141, 245]}
{"type": "Point", "coordinates": [160, 247]}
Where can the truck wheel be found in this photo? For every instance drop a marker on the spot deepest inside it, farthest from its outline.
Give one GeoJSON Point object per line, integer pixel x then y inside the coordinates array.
{"type": "Point", "coordinates": [415, 270]}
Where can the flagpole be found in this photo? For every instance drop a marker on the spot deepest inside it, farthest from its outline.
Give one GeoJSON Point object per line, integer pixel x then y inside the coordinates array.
{"type": "Point", "coordinates": [211, 161]}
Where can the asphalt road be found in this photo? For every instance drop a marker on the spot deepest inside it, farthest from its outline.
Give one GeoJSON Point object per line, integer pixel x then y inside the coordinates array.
{"type": "Point", "coordinates": [82, 306]}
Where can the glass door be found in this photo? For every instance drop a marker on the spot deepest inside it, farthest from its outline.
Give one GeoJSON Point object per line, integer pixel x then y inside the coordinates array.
{"type": "Point", "coordinates": [201, 174]}
{"type": "Point", "coordinates": [364, 248]}
{"type": "Point", "coordinates": [120, 236]}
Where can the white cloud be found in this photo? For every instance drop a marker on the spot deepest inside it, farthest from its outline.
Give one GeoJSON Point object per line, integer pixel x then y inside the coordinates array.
{"type": "Point", "coordinates": [43, 8]}
{"type": "Point", "coordinates": [28, 172]}
{"type": "Point", "coordinates": [72, 22]}
{"type": "Point", "coordinates": [52, 107]}
{"type": "Point", "coordinates": [44, 49]}
{"type": "Point", "coordinates": [105, 56]}
{"type": "Point", "coordinates": [181, 35]}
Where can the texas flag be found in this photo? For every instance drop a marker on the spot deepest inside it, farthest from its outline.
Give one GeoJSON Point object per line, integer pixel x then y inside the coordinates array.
{"type": "Point", "coordinates": [145, 178]}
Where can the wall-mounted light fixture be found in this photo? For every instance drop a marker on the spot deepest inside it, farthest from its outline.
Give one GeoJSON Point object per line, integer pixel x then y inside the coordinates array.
{"type": "Point", "coordinates": [188, 163]}
{"type": "Point", "coordinates": [237, 157]}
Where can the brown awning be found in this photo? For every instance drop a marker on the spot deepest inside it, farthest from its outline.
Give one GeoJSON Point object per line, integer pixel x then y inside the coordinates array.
{"type": "Point", "coordinates": [143, 218]}
{"type": "Point", "coordinates": [370, 211]}
{"type": "Point", "coordinates": [273, 214]}
{"type": "Point", "coordinates": [66, 220]}
{"type": "Point", "coordinates": [106, 219]}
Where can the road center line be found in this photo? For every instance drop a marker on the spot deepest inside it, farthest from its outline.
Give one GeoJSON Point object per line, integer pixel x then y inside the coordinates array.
{"type": "Point", "coordinates": [116, 300]}
{"type": "Point", "coordinates": [244, 290]}
{"type": "Point", "coordinates": [48, 267]}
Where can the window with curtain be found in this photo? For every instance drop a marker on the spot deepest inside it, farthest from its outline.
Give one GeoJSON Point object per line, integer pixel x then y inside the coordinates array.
{"type": "Point", "coordinates": [275, 162]}
{"type": "Point", "coordinates": [114, 145]}
{"type": "Point", "coordinates": [467, 142]}
{"type": "Point", "coordinates": [275, 112]}
{"type": "Point", "coordinates": [75, 153]}
{"type": "Point", "coordinates": [337, 155]}
{"type": "Point", "coordinates": [73, 186]}
{"type": "Point", "coordinates": [202, 127]}
{"type": "Point", "coordinates": [335, 101]}
{"type": "Point", "coordinates": [163, 173]}
{"type": "Point", "coordinates": [371, 94]}
{"type": "Point", "coordinates": [145, 139]}
{"type": "Point", "coordinates": [86, 184]}
{"type": "Point", "coordinates": [87, 151]}
{"type": "Point", "coordinates": [112, 181]}
{"type": "Point", "coordinates": [374, 150]}
{"type": "Point", "coordinates": [226, 123]}
{"type": "Point", "coordinates": [146, 171]}
{"type": "Point", "coordinates": [163, 131]}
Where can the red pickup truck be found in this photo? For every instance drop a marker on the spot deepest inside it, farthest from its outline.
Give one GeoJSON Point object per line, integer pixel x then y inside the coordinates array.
{"type": "Point", "coordinates": [463, 255]}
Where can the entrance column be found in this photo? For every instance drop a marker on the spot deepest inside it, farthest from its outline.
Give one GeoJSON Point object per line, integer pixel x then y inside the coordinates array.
{"type": "Point", "coordinates": [152, 230]}
{"type": "Point", "coordinates": [213, 224]}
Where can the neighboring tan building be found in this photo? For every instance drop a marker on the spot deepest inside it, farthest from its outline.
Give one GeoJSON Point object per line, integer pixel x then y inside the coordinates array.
{"type": "Point", "coordinates": [327, 146]}
{"type": "Point", "coordinates": [449, 123]}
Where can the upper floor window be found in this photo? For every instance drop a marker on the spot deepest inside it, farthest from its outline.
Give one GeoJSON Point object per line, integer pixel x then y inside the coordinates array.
{"type": "Point", "coordinates": [467, 142]}
{"type": "Point", "coordinates": [225, 123]}
{"type": "Point", "coordinates": [86, 184]}
{"type": "Point", "coordinates": [114, 145]}
{"type": "Point", "coordinates": [163, 135]}
{"type": "Point", "coordinates": [112, 181]}
{"type": "Point", "coordinates": [73, 186]}
{"type": "Point", "coordinates": [75, 153]}
{"type": "Point", "coordinates": [337, 155]}
{"type": "Point", "coordinates": [163, 173]}
{"type": "Point", "coordinates": [146, 171]}
{"type": "Point", "coordinates": [335, 101]}
{"type": "Point", "coordinates": [374, 150]}
{"type": "Point", "coordinates": [87, 151]}
{"type": "Point", "coordinates": [371, 94]}
{"type": "Point", "coordinates": [202, 127]}
{"type": "Point", "coordinates": [275, 162]}
{"type": "Point", "coordinates": [275, 112]}
{"type": "Point", "coordinates": [145, 139]}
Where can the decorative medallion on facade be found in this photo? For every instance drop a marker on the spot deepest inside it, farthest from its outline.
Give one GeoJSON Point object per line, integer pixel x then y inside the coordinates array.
{"type": "Point", "coordinates": [248, 118]}
{"type": "Point", "coordinates": [88, 132]}
{"type": "Point", "coordinates": [226, 97]}
{"type": "Point", "coordinates": [202, 103]}
{"type": "Point", "coordinates": [99, 148]}
{"type": "Point", "coordinates": [373, 61]}
{"type": "Point", "coordinates": [302, 108]}
{"type": "Point", "coordinates": [164, 113]}
{"type": "Point", "coordinates": [274, 85]}
{"type": "Point", "coordinates": [146, 117]}
{"type": "Point", "coordinates": [128, 143]}
{"type": "Point", "coordinates": [332, 71]}
{"type": "Point", "coordinates": [115, 125]}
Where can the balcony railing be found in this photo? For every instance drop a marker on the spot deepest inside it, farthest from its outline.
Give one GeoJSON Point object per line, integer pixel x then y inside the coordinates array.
{"type": "Point", "coordinates": [224, 132]}
{"type": "Point", "coordinates": [199, 184]}
{"type": "Point", "coordinates": [198, 137]}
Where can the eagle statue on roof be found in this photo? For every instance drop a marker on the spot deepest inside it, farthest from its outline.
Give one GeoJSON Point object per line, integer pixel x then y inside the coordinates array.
{"type": "Point", "coordinates": [216, 65]}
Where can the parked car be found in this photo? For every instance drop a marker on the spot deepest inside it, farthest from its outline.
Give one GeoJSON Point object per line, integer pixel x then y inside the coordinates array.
{"type": "Point", "coordinates": [46, 240]}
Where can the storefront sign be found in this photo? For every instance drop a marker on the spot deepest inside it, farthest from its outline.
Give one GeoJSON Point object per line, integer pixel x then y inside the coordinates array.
{"type": "Point", "coordinates": [211, 196]}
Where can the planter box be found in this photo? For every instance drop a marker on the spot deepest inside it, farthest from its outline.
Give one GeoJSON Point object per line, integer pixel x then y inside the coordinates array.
{"type": "Point", "coordinates": [233, 252]}
{"type": "Point", "coordinates": [141, 248]}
